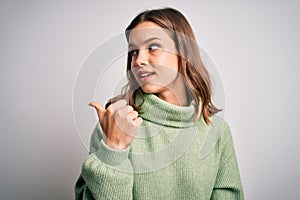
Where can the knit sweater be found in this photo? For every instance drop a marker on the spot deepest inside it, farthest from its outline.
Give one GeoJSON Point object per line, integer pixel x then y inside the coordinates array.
{"type": "Point", "coordinates": [171, 157]}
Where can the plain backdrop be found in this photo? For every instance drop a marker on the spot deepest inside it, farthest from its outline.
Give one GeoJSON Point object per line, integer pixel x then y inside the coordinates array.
{"type": "Point", "coordinates": [254, 45]}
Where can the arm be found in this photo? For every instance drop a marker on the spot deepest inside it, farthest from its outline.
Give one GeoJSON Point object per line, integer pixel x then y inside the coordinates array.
{"type": "Point", "coordinates": [228, 182]}
{"type": "Point", "coordinates": [106, 173]}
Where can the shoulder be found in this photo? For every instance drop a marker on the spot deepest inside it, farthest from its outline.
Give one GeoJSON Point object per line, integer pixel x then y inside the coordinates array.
{"type": "Point", "coordinates": [216, 133]}
{"type": "Point", "coordinates": [218, 124]}
{"type": "Point", "coordinates": [225, 142]}
{"type": "Point", "coordinates": [223, 128]}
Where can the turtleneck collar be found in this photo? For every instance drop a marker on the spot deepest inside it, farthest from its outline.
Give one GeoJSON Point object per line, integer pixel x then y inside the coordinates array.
{"type": "Point", "coordinates": [164, 113]}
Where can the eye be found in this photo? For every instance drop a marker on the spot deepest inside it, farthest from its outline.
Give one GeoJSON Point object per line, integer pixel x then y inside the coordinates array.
{"type": "Point", "coordinates": [153, 47]}
{"type": "Point", "coordinates": [134, 52]}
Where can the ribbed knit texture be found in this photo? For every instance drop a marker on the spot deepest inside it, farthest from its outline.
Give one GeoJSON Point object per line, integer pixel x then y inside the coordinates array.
{"type": "Point", "coordinates": [171, 158]}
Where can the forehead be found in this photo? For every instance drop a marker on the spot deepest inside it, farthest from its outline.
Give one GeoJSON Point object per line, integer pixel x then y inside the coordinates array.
{"type": "Point", "coordinates": [146, 30]}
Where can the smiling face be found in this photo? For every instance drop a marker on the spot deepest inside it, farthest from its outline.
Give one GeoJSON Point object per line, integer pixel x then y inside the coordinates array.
{"type": "Point", "coordinates": [154, 60]}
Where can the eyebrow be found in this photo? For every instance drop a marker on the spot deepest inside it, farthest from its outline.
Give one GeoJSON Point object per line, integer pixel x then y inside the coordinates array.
{"type": "Point", "coordinates": [146, 41]}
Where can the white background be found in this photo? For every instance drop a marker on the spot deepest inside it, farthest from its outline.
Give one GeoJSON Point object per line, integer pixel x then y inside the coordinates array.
{"type": "Point", "coordinates": [254, 45]}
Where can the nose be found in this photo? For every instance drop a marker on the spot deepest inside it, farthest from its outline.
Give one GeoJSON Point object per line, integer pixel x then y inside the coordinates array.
{"type": "Point", "coordinates": [142, 57]}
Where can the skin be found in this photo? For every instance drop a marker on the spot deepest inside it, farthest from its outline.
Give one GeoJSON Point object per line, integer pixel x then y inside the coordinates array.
{"type": "Point", "coordinates": [154, 57]}
{"type": "Point", "coordinates": [119, 123]}
{"type": "Point", "coordinates": [154, 51]}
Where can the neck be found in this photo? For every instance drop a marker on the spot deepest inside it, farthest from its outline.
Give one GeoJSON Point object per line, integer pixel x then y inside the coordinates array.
{"type": "Point", "coordinates": [175, 94]}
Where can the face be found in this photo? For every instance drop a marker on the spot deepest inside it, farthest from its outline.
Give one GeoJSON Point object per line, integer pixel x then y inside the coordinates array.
{"type": "Point", "coordinates": [154, 58]}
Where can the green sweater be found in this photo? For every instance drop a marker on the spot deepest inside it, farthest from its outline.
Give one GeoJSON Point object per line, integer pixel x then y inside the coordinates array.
{"type": "Point", "coordinates": [172, 157]}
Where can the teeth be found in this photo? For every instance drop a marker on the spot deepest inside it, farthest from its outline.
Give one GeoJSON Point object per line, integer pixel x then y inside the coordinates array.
{"type": "Point", "coordinates": [144, 75]}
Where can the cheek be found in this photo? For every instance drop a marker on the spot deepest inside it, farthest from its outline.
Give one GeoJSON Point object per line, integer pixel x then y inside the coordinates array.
{"type": "Point", "coordinates": [133, 68]}
{"type": "Point", "coordinates": [131, 65]}
{"type": "Point", "coordinates": [166, 75]}
{"type": "Point", "coordinates": [167, 66]}
{"type": "Point", "coordinates": [171, 61]}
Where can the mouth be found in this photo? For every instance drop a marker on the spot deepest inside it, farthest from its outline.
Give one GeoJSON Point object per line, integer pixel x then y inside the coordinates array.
{"type": "Point", "coordinates": [144, 76]}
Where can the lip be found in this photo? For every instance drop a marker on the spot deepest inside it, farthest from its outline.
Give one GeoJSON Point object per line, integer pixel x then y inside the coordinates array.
{"type": "Point", "coordinates": [145, 76]}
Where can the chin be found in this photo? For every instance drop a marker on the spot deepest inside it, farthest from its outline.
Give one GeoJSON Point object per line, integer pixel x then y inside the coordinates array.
{"type": "Point", "coordinates": [148, 90]}
{"type": "Point", "coordinates": [151, 89]}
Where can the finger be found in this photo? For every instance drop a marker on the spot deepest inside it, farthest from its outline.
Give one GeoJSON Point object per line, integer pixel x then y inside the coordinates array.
{"type": "Point", "coordinates": [113, 107]}
{"type": "Point", "coordinates": [123, 111]}
{"type": "Point", "coordinates": [138, 121]}
{"type": "Point", "coordinates": [133, 115]}
{"type": "Point", "coordinates": [99, 108]}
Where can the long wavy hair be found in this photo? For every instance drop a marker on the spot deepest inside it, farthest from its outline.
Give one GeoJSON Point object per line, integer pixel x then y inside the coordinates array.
{"type": "Point", "coordinates": [197, 79]}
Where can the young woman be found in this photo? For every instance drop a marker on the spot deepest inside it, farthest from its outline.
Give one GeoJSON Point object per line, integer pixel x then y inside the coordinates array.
{"type": "Point", "coordinates": [160, 138]}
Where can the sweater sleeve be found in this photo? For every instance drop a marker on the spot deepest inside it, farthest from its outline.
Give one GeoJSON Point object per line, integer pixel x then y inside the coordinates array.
{"type": "Point", "coordinates": [228, 182]}
{"type": "Point", "coordinates": [106, 173]}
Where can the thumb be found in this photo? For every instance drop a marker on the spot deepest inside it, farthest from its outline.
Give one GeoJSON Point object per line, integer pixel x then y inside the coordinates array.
{"type": "Point", "coordinates": [99, 108]}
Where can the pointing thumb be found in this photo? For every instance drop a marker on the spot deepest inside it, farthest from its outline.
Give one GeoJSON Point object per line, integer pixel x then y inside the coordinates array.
{"type": "Point", "coordinates": [99, 108]}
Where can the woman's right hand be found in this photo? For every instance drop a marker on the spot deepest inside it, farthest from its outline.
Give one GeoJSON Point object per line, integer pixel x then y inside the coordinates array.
{"type": "Point", "coordinates": [119, 123]}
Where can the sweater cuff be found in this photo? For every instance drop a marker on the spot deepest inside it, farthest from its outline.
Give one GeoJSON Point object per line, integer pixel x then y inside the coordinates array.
{"type": "Point", "coordinates": [111, 156]}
